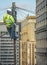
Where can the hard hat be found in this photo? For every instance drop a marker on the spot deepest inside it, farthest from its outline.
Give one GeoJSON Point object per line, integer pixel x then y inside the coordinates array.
{"type": "Point", "coordinates": [9, 11]}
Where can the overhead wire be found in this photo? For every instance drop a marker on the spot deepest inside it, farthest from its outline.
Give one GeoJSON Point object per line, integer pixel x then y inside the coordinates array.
{"type": "Point", "coordinates": [20, 14]}
{"type": "Point", "coordinates": [25, 10]}
{"type": "Point", "coordinates": [21, 10]}
{"type": "Point", "coordinates": [4, 8]}
{"type": "Point", "coordinates": [2, 12]}
{"type": "Point", "coordinates": [18, 8]}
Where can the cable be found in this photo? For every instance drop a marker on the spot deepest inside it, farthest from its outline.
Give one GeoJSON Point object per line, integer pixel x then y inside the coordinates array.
{"type": "Point", "coordinates": [21, 12]}
{"type": "Point", "coordinates": [2, 12]}
{"type": "Point", "coordinates": [4, 8]}
{"type": "Point", "coordinates": [18, 16]}
{"type": "Point", "coordinates": [19, 8]}
{"type": "Point", "coordinates": [25, 10]}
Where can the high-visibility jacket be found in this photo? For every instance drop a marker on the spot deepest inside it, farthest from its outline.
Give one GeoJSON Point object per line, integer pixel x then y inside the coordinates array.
{"type": "Point", "coordinates": [8, 20]}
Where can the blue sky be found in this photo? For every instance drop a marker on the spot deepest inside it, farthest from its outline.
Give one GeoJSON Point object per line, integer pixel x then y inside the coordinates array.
{"type": "Point", "coordinates": [27, 4]}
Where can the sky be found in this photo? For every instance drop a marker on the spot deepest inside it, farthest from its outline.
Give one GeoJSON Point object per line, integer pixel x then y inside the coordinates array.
{"type": "Point", "coordinates": [26, 4]}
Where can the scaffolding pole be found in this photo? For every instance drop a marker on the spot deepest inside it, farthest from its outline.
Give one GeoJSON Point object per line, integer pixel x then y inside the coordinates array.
{"type": "Point", "coordinates": [14, 30]}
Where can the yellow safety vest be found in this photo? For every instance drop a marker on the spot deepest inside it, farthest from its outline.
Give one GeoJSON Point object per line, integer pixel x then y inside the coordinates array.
{"type": "Point", "coordinates": [8, 20]}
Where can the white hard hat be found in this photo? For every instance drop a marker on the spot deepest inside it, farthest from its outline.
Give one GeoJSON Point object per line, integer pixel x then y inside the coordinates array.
{"type": "Point", "coordinates": [9, 11]}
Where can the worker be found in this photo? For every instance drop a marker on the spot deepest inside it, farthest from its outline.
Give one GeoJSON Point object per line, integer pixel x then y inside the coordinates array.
{"type": "Point", "coordinates": [8, 19]}
{"type": "Point", "coordinates": [9, 22]}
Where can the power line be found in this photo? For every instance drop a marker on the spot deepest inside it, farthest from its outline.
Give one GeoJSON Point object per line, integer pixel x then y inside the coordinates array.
{"type": "Point", "coordinates": [21, 13]}
{"type": "Point", "coordinates": [2, 12]}
{"type": "Point", "coordinates": [20, 9]}
{"type": "Point", "coordinates": [4, 8]}
{"type": "Point", "coordinates": [25, 10]}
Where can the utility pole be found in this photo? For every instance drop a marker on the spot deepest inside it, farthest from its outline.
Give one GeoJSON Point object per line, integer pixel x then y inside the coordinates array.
{"type": "Point", "coordinates": [14, 28]}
